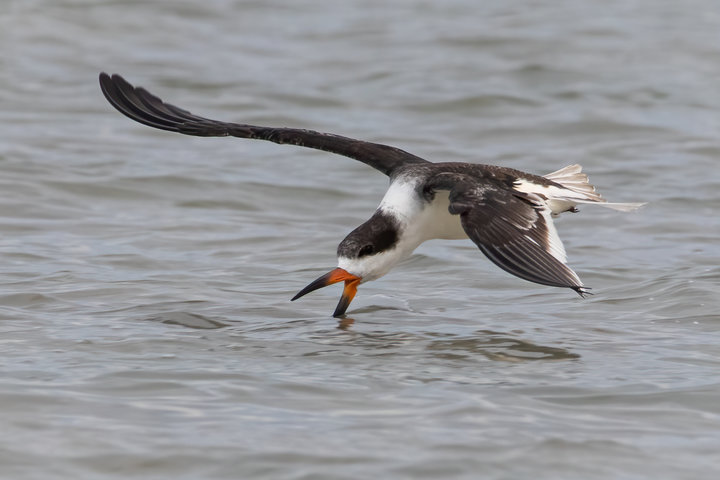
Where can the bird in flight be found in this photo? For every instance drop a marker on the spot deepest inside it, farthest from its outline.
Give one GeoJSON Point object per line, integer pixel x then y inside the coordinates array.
{"type": "Point", "coordinates": [507, 213]}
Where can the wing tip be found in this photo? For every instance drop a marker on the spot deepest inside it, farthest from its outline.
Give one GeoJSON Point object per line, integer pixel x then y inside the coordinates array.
{"type": "Point", "coordinates": [105, 81]}
{"type": "Point", "coordinates": [111, 78]}
{"type": "Point", "coordinates": [584, 292]}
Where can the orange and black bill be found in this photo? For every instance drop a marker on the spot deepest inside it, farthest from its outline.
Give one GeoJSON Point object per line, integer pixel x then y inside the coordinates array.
{"type": "Point", "coordinates": [335, 276]}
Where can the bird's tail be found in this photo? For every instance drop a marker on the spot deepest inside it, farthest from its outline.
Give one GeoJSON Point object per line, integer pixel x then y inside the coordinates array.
{"type": "Point", "coordinates": [581, 191]}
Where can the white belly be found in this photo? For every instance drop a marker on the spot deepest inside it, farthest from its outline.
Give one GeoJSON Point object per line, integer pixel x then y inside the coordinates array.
{"type": "Point", "coordinates": [435, 221]}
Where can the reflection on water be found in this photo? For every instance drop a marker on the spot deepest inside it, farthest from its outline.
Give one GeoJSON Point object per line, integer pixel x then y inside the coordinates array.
{"type": "Point", "coordinates": [493, 345]}
{"type": "Point", "coordinates": [496, 346]}
{"type": "Point", "coordinates": [345, 323]}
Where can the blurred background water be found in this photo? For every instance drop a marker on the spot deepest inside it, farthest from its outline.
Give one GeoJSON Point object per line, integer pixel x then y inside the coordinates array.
{"type": "Point", "coordinates": [145, 327]}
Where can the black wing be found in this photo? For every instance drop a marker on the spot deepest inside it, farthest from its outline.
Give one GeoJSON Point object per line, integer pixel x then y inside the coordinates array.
{"type": "Point", "coordinates": [513, 229]}
{"type": "Point", "coordinates": [144, 107]}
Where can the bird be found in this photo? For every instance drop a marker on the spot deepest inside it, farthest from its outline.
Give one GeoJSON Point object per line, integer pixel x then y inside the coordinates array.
{"type": "Point", "coordinates": [506, 212]}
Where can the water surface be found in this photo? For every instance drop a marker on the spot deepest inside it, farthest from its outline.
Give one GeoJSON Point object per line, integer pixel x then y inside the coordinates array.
{"type": "Point", "coordinates": [145, 327]}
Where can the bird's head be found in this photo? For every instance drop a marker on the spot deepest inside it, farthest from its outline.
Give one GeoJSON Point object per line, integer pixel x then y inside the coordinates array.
{"type": "Point", "coordinates": [367, 253]}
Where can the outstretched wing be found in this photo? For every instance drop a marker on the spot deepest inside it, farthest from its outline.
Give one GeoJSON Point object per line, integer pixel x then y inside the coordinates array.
{"type": "Point", "coordinates": [144, 107]}
{"type": "Point", "coordinates": [513, 229]}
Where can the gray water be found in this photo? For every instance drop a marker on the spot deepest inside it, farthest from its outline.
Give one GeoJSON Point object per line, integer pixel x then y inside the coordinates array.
{"type": "Point", "coordinates": [145, 324]}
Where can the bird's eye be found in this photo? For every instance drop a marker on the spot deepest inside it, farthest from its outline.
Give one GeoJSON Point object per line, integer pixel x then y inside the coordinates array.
{"type": "Point", "coordinates": [366, 250]}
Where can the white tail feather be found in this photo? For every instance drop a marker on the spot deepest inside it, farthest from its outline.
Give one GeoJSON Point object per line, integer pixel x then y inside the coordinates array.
{"type": "Point", "coordinates": [581, 191]}
{"type": "Point", "coordinates": [620, 207]}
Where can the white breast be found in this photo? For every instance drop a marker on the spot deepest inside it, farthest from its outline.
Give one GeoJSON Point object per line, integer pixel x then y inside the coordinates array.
{"type": "Point", "coordinates": [421, 220]}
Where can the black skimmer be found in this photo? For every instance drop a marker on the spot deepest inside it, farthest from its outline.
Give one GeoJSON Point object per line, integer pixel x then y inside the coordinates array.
{"type": "Point", "coordinates": [506, 212]}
